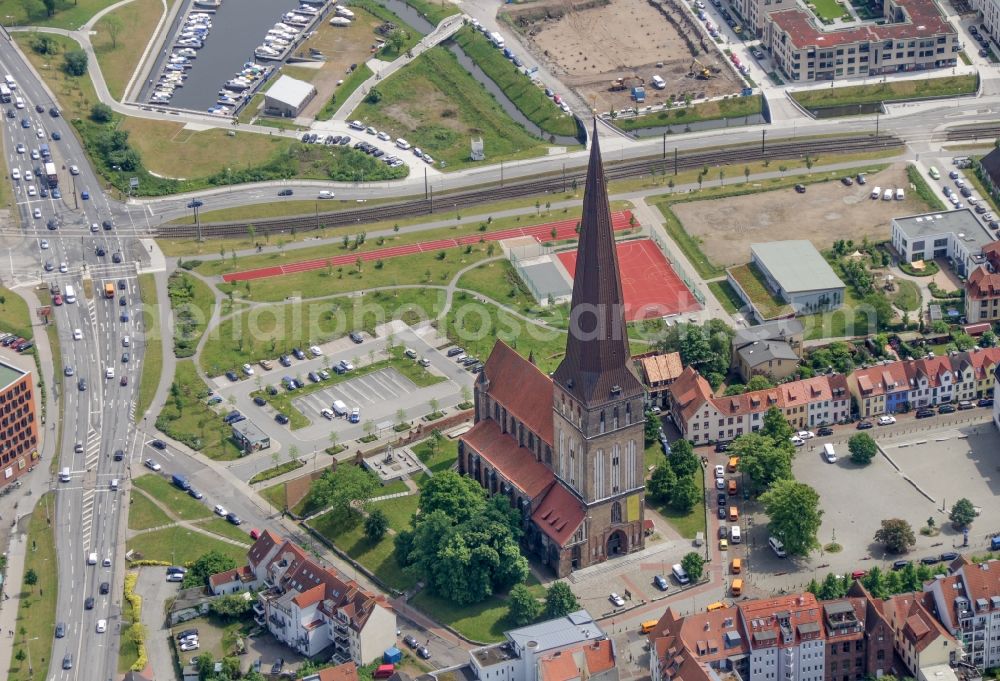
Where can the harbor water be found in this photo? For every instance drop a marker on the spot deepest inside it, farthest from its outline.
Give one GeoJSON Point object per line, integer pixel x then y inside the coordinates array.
{"type": "Point", "coordinates": [238, 27]}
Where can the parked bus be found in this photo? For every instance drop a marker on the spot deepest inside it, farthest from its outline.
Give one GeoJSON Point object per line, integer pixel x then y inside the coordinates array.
{"type": "Point", "coordinates": [4, 94]}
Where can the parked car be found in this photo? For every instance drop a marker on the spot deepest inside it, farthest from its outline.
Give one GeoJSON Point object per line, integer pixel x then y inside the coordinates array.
{"type": "Point", "coordinates": [864, 425]}
{"type": "Point", "coordinates": [886, 420]}
{"type": "Point", "coordinates": [946, 409]}
{"type": "Point", "coordinates": [616, 599]}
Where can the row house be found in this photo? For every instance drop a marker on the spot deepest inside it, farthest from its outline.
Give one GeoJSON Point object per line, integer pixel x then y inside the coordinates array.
{"type": "Point", "coordinates": [967, 603]}
{"type": "Point", "coordinates": [890, 387]}
{"type": "Point", "coordinates": [701, 417]}
{"type": "Point", "coordinates": [658, 370]}
{"type": "Point", "coordinates": [791, 637]}
{"type": "Point", "coordinates": [920, 641]}
{"type": "Point", "coordinates": [310, 607]}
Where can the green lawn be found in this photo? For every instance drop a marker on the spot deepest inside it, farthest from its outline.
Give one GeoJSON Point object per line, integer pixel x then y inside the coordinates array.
{"type": "Point", "coordinates": [526, 94]}
{"type": "Point", "coordinates": [434, 11]}
{"type": "Point", "coordinates": [275, 495]}
{"type": "Point", "coordinates": [413, 269]}
{"type": "Point", "coordinates": [180, 546]}
{"type": "Point", "coordinates": [399, 510]}
{"type": "Point", "coordinates": [152, 359]}
{"type": "Point", "coordinates": [726, 295]}
{"type": "Point", "coordinates": [691, 523]}
{"type": "Point", "coordinates": [734, 107]}
{"type": "Point", "coordinates": [118, 58]}
{"type": "Point", "coordinates": [144, 514]}
{"type": "Point", "coordinates": [192, 303]}
{"type": "Point", "coordinates": [76, 95]}
{"type": "Point", "coordinates": [186, 416]}
{"type": "Point", "coordinates": [343, 91]}
{"type": "Point", "coordinates": [14, 316]}
{"type": "Point", "coordinates": [836, 323]}
{"type": "Point", "coordinates": [179, 503]}
{"type": "Point", "coordinates": [752, 282]}
{"type": "Point", "coordinates": [377, 557]}
{"type": "Point", "coordinates": [653, 456]}
{"type": "Point", "coordinates": [896, 90]}
{"type": "Point", "coordinates": [484, 622]}
{"type": "Point", "coordinates": [436, 105]}
{"type": "Point", "coordinates": [267, 332]}
{"type": "Point", "coordinates": [36, 612]}
{"type": "Point", "coordinates": [442, 460]}
{"type": "Point", "coordinates": [499, 281]}
{"type": "Point", "coordinates": [907, 295]}
{"type": "Point", "coordinates": [69, 15]}
{"type": "Point", "coordinates": [224, 528]}
{"type": "Point", "coordinates": [828, 9]}
{"type": "Point", "coordinates": [923, 190]}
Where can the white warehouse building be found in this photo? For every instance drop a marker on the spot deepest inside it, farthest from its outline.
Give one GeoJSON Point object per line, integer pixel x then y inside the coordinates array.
{"type": "Point", "coordinates": [288, 97]}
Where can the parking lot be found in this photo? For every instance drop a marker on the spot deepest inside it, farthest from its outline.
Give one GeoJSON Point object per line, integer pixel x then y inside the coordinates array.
{"type": "Point", "coordinates": [936, 467]}
{"type": "Point", "coordinates": [379, 396]}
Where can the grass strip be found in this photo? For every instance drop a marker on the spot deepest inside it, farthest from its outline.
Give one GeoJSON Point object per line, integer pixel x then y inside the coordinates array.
{"type": "Point", "coordinates": [36, 612]}
{"type": "Point", "coordinates": [924, 88]}
{"type": "Point", "coordinates": [181, 546]}
{"type": "Point", "coordinates": [180, 504]}
{"type": "Point", "coordinates": [343, 92]}
{"type": "Point", "coordinates": [726, 295]}
{"type": "Point", "coordinates": [923, 190]}
{"type": "Point", "coordinates": [187, 418]}
{"type": "Point", "coordinates": [274, 472]}
{"type": "Point", "coordinates": [152, 358]}
{"type": "Point", "coordinates": [733, 107]}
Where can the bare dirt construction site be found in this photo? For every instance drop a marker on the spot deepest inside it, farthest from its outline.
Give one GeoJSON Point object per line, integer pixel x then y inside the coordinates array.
{"type": "Point", "coordinates": [826, 212]}
{"type": "Point", "coordinates": [592, 43]}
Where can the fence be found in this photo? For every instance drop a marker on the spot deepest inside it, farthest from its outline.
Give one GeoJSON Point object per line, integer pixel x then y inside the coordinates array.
{"type": "Point", "coordinates": [681, 272]}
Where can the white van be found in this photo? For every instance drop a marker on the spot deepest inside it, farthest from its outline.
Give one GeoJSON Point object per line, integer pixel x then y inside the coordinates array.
{"type": "Point", "coordinates": [11, 83]}
{"type": "Point", "coordinates": [339, 408]}
{"type": "Point", "coordinates": [64, 474]}
{"type": "Point", "coordinates": [679, 574]}
{"type": "Point", "coordinates": [325, 194]}
{"type": "Point", "coordinates": [126, 341]}
{"type": "Point", "coordinates": [829, 454]}
{"type": "Point", "coordinates": [402, 144]}
{"type": "Point", "coordinates": [19, 102]}
{"type": "Point", "coordinates": [900, 194]}
{"type": "Point", "coordinates": [114, 484]}
{"type": "Point", "coordinates": [92, 559]}
{"type": "Point", "coordinates": [70, 294]}
{"type": "Point", "coordinates": [776, 546]}
{"type": "Point", "coordinates": [658, 82]}
{"type": "Point", "coordinates": [734, 534]}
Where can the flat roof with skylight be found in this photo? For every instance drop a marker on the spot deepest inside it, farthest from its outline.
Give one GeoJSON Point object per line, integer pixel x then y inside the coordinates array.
{"type": "Point", "coordinates": [963, 223]}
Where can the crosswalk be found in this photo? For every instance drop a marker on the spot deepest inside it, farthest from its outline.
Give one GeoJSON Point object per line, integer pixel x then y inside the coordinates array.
{"type": "Point", "coordinates": [87, 518]}
{"type": "Point", "coordinates": [93, 449]}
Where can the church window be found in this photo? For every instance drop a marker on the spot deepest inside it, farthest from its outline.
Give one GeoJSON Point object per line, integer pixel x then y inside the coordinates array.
{"type": "Point", "coordinates": [616, 512]}
{"type": "Point", "coordinates": [614, 420]}
{"type": "Point", "coordinates": [628, 413]}
{"type": "Point", "coordinates": [602, 421]}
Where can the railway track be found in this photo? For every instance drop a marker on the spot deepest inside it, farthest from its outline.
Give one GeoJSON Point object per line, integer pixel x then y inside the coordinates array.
{"type": "Point", "coordinates": [547, 185]}
{"type": "Point", "coordinates": [984, 132]}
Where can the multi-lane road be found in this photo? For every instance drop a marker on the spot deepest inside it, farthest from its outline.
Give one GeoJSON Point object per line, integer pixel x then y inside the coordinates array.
{"type": "Point", "coordinates": [96, 420]}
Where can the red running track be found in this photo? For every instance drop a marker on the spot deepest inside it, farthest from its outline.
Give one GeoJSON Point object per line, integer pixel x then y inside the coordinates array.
{"type": "Point", "coordinates": [649, 284]}
{"type": "Point", "coordinates": [564, 229]}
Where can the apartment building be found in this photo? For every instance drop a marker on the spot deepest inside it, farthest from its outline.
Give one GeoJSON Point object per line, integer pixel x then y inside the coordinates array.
{"type": "Point", "coordinates": [310, 607]}
{"type": "Point", "coordinates": [755, 12]}
{"type": "Point", "coordinates": [982, 290]}
{"type": "Point", "coordinates": [791, 637]}
{"type": "Point", "coordinates": [891, 387]}
{"type": "Point", "coordinates": [18, 425]}
{"type": "Point", "coordinates": [967, 603]}
{"type": "Point", "coordinates": [915, 37]}
{"type": "Point", "coordinates": [989, 11]}
{"type": "Point", "coordinates": [919, 640]}
{"type": "Point", "coordinates": [701, 417]}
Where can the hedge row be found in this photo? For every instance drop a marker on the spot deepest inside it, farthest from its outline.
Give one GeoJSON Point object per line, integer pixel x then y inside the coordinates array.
{"type": "Point", "coordinates": [137, 633]}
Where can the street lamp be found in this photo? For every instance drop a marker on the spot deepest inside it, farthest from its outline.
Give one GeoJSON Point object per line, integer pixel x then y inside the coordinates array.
{"type": "Point", "coordinates": [195, 205]}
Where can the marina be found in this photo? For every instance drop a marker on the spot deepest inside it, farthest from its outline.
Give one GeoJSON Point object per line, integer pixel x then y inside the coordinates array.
{"type": "Point", "coordinates": [221, 52]}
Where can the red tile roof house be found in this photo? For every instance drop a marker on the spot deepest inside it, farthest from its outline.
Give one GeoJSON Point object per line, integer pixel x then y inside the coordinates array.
{"type": "Point", "coordinates": [311, 607]}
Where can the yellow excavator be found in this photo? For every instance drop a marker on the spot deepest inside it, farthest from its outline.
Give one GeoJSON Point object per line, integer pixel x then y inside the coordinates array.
{"type": "Point", "coordinates": [622, 84]}
{"type": "Point", "coordinates": [699, 70]}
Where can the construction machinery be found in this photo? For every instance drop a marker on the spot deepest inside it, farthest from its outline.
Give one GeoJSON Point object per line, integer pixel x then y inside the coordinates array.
{"type": "Point", "coordinates": [627, 83]}
{"type": "Point", "coordinates": [699, 70]}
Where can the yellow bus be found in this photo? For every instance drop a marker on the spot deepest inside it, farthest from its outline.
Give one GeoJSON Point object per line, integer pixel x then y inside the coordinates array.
{"type": "Point", "coordinates": [647, 626]}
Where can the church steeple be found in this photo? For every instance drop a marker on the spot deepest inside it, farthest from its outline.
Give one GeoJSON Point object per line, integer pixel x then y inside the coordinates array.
{"type": "Point", "coordinates": [597, 366]}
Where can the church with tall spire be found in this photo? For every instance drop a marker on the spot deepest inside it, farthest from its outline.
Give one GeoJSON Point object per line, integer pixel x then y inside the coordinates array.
{"type": "Point", "coordinates": [567, 449]}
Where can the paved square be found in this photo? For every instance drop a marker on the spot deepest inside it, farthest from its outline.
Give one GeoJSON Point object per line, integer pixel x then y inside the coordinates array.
{"type": "Point", "coordinates": [378, 394]}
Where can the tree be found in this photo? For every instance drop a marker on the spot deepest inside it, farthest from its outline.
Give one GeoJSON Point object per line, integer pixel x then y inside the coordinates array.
{"type": "Point", "coordinates": [896, 534]}
{"type": "Point", "coordinates": [522, 607]}
{"type": "Point", "coordinates": [401, 416]}
{"type": "Point", "coordinates": [396, 40]}
{"type": "Point", "coordinates": [661, 483]}
{"type": "Point", "coordinates": [683, 459]}
{"type": "Point", "coordinates": [762, 460]}
{"type": "Point", "coordinates": [793, 508]}
{"type": "Point", "coordinates": [376, 525]}
{"type": "Point", "coordinates": [458, 496]}
{"type": "Point", "coordinates": [230, 606]}
{"type": "Point", "coordinates": [342, 489]}
{"type": "Point", "coordinates": [652, 428]}
{"type": "Point", "coordinates": [50, 6]}
{"type": "Point", "coordinates": [685, 494]}
{"type": "Point", "coordinates": [31, 577]}
{"type": "Point", "coordinates": [776, 426]}
{"type": "Point", "coordinates": [962, 513]}
{"type": "Point", "coordinates": [114, 25]}
{"type": "Point", "coordinates": [693, 565]}
{"type": "Point", "coordinates": [374, 96]}
{"type": "Point", "coordinates": [863, 448]}
{"type": "Point", "coordinates": [560, 601]}
{"type": "Point", "coordinates": [831, 588]}
{"type": "Point", "coordinates": [207, 565]}
{"type": "Point", "coordinates": [759, 382]}
{"type": "Point", "coordinates": [75, 63]}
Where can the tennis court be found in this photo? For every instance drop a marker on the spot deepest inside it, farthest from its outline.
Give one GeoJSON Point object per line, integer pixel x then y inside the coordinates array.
{"type": "Point", "coordinates": [649, 284]}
